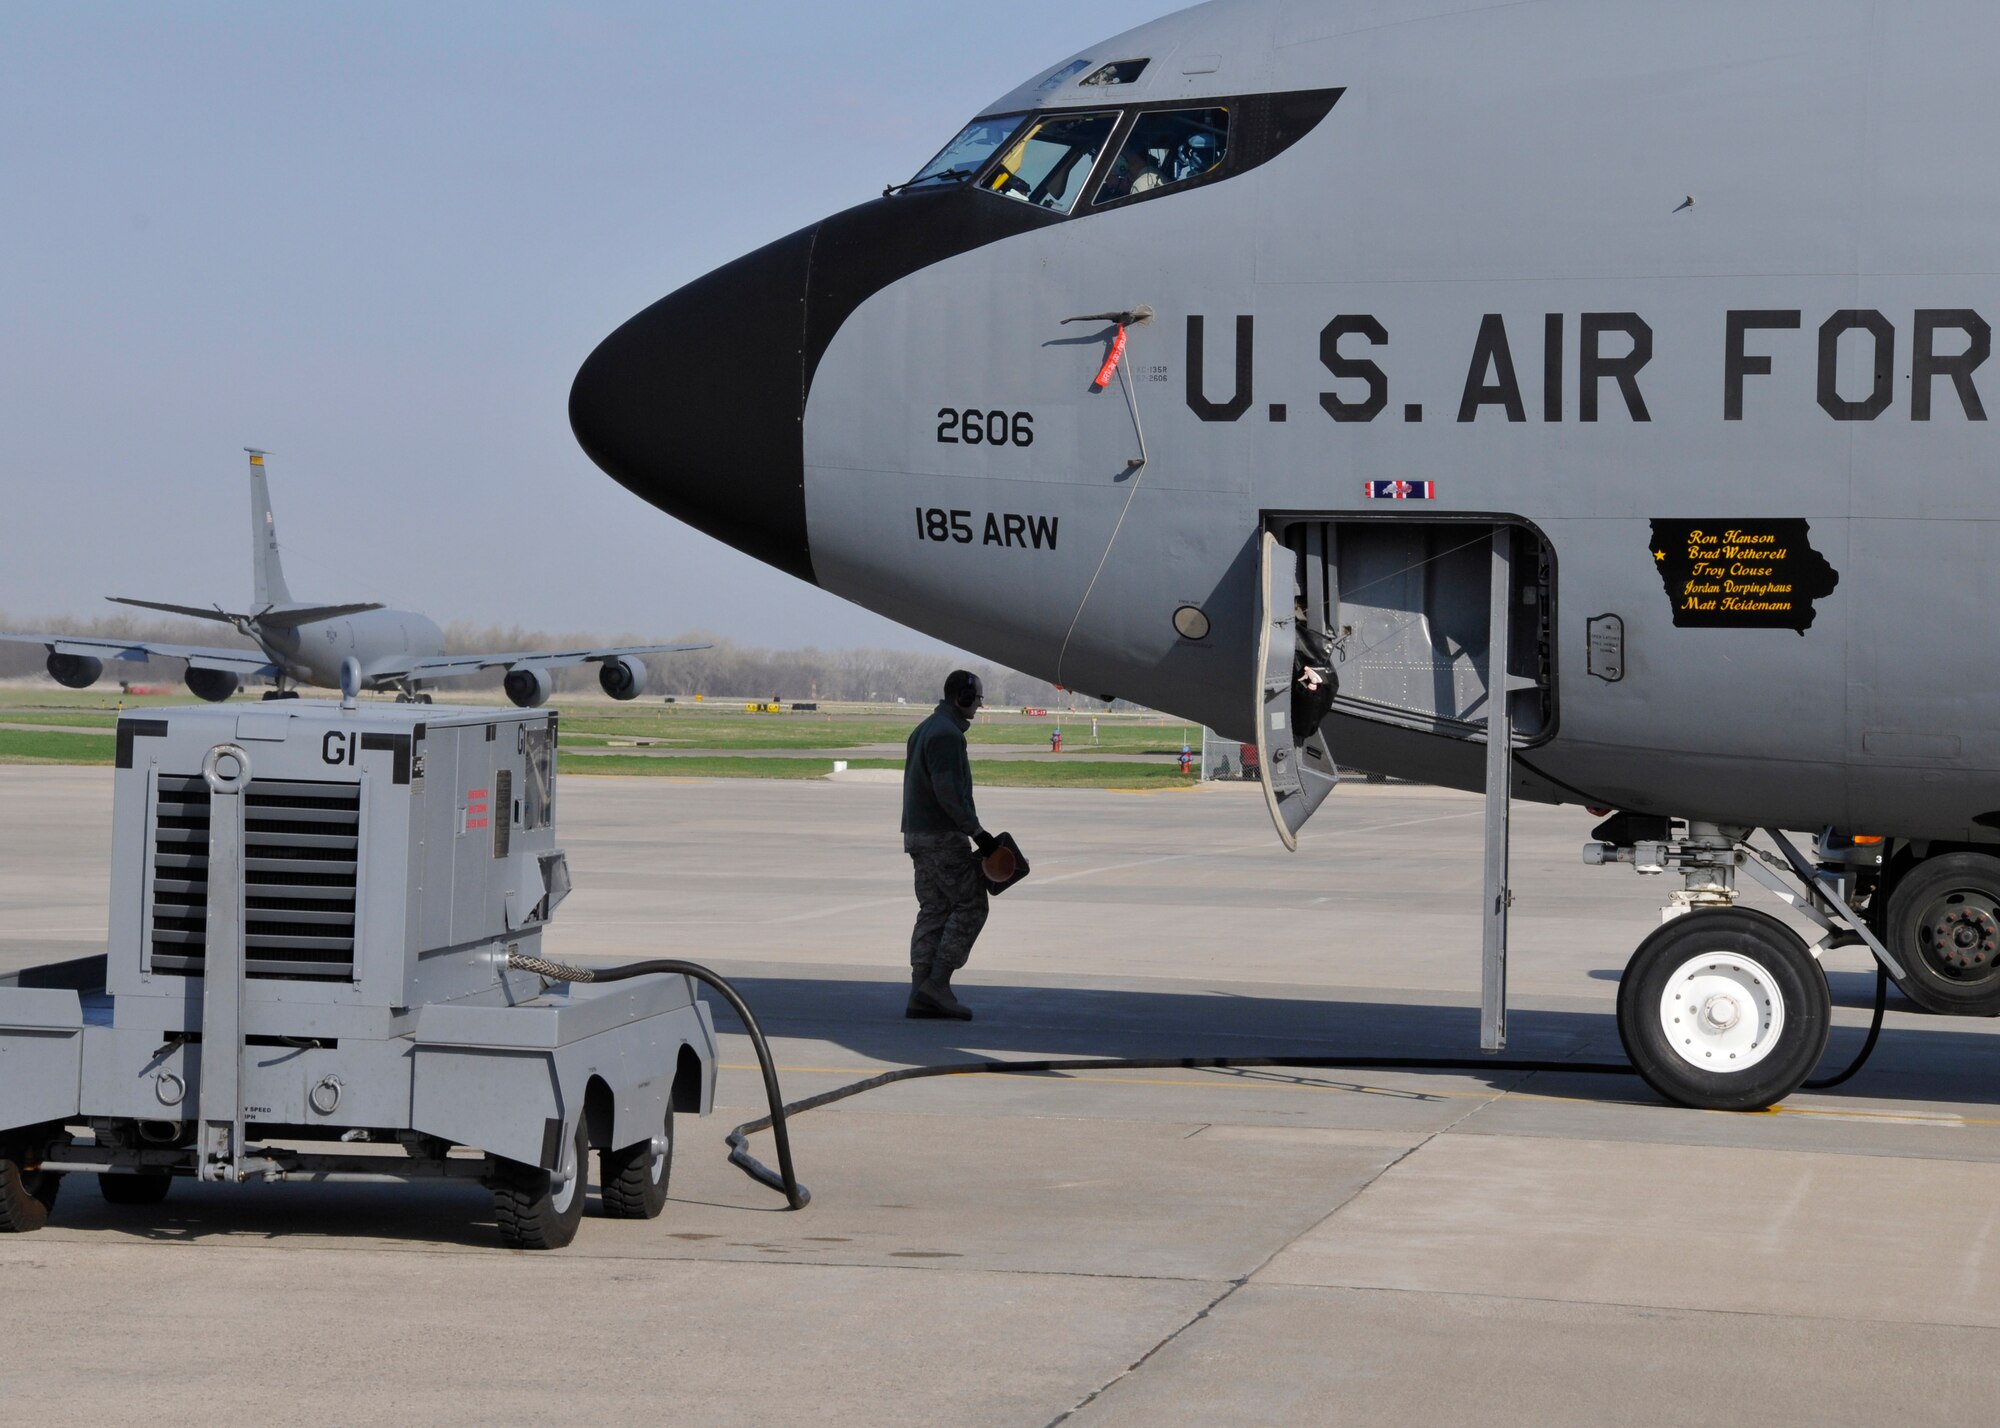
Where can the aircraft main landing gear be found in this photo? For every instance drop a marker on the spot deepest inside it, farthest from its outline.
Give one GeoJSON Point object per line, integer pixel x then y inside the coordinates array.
{"type": "Point", "coordinates": [1944, 918]}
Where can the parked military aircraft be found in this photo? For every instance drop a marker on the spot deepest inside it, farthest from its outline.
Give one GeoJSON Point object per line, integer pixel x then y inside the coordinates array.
{"type": "Point", "coordinates": [1644, 343]}
{"type": "Point", "coordinates": [306, 644]}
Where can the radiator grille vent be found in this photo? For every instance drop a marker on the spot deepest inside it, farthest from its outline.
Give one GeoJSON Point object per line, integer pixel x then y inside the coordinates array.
{"type": "Point", "coordinates": [300, 845]}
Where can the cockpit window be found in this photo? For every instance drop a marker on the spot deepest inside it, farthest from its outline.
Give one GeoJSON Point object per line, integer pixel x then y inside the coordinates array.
{"type": "Point", "coordinates": [1049, 165]}
{"type": "Point", "coordinates": [1165, 148]}
{"type": "Point", "coordinates": [964, 156]}
{"type": "Point", "coordinates": [1117, 72]}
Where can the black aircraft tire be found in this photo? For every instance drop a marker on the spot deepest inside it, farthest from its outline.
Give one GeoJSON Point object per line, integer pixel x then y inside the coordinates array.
{"type": "Point", "coordinates": [26, 1196]}
{"type": "Point", "coordinates": [635, 1178]}
{"type": "Point", "coordinates": [135, 1189]}
{"type": "Point", "coordinates": [1943, 925]}
{"type": "Point", "coordinates": [1727, 987]}
{"type": "Point", "coordinates": [530, 1213]}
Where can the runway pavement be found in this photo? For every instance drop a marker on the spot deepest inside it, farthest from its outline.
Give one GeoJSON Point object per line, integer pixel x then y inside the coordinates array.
{"type": "Point", "coordinates": [1249, 1247]}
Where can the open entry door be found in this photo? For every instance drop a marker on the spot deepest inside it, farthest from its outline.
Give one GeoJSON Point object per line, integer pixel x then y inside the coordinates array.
{"type": "Point", "coordinates": [1441, 626]}
{"type": "Point", "coordinates": [1297, 774]}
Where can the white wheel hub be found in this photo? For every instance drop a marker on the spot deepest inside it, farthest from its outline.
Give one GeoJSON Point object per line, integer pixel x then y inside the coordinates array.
{"type": "Point", "coordinates": [561, 1194]}
{"type": "Point", "coordinates": [1722, 1012]}
{"type": "Point", "coordinates": [563, 1189]}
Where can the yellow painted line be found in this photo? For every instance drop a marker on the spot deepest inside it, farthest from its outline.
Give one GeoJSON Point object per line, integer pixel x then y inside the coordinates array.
{"type": "Point", "coordinates": [1246, 1083]}
{"type": "Point", "coordinates": [1907, 1118]}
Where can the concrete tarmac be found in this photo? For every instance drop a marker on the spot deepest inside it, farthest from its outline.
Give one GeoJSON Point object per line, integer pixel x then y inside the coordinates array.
{"type": "Point", "coordinates": [1107, 1247]}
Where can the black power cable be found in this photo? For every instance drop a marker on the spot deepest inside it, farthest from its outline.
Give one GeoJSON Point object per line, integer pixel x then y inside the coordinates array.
{"type": "Point", "coordinates": [786, 1182]}
{"type": "Point", "coordinates": [739, 1155]}
{"type": "Point", "coordinates": [1827, 1083]}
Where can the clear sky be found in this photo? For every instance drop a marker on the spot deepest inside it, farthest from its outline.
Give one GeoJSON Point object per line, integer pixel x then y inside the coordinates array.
{"type": "Point", "coordinates": [378, 239]}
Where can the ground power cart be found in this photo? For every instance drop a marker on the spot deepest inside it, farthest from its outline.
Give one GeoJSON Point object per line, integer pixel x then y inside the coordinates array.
{"type": "Point", "coordinates": [320, 914]}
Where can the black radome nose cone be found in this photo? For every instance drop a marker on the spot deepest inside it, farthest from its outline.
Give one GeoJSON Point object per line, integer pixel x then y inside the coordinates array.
{"type": "Point", "coordinates": [696, 404]}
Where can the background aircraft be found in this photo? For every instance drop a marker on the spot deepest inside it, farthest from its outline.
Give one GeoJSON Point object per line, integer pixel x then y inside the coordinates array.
{"type": "Point", "coordinates": [306, 644]}
{"type": "Point", "coordinates": [1642, 343]}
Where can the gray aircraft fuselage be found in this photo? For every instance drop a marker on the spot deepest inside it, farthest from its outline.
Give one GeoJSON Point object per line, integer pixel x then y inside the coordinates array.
{"type": "Point", "coordinates": [1699, 297]}
{"type": "Point", "coordinates": [312, 654]}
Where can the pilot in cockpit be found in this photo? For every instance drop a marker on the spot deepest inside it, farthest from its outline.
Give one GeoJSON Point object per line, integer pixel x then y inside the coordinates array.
{"type": "Point", "coordinates": [1133, 173]}
{"type": "Point", "coordinates": [1166, 149]}
{"type": "Point", "coordinates": [1195, 156]}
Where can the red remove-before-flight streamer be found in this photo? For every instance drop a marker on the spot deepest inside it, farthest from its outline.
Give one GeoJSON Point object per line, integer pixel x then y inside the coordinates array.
{"type": "Point", "coordinates": [1110, 367]}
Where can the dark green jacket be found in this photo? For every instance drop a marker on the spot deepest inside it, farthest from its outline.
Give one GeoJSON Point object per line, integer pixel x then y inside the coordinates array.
{"type": "Point", "coordinates": [937, 777]}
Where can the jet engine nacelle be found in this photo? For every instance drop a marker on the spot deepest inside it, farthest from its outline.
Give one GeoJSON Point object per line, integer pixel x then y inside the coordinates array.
{"type": "Point", "coordinates": [528, 688]}
{"type": "Point", "coordinates": [623, 677]}
{"type": "Point", "coordinates": [214, 685]}
{"type": "Point", "coordinates": [74, 671]}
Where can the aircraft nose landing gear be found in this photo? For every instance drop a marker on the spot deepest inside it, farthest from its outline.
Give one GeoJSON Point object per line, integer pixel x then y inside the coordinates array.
{"type": "Point", "coordinates": [1725, 1009]}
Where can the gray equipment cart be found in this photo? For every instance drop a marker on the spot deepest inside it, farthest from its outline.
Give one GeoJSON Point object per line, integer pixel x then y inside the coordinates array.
{"type": "Point", "coordinates": [313, 911]}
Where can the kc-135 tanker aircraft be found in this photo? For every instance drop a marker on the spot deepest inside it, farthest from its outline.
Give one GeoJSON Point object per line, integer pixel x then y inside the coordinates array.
{"type": "Point", "coordinates": [307, 644]}
{"type": "Point", "coordinates": [1607, 377]}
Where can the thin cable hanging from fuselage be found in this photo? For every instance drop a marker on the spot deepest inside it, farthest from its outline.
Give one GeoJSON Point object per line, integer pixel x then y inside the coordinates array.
{"type": "Point", "coordinates": [1138, 474]}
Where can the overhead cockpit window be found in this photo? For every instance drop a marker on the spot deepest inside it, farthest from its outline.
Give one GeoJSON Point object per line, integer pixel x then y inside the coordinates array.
{"type": "Point", "coordinates": [1165, 148]}
{"type": "Point", "coordinates": [1055, 81]}
{"type": "Point", "coordinates": [1049, 165]}
{"type": "Point", "coordinates": [967, 154]}
{"type": "Point", "coordinates": [1118, 72]}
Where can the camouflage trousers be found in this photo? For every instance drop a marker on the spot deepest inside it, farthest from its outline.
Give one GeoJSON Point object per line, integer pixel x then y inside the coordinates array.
{"type": "Point", "coordinates": [951, 905]}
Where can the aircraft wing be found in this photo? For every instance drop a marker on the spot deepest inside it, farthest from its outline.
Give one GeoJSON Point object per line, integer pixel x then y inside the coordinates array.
{"type": "Point", "coordinates": [211, 612]}
{"type": "Point", "coordinates": [456, 666]}
{"type": "Point", "coordinates": [236, 661]}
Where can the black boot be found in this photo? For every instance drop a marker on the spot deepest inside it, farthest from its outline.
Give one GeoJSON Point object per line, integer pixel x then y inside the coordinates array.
{"type": "Point", "coordinates": [918, 1008]}
{"type": "Point", "coordinates": [934, 994]}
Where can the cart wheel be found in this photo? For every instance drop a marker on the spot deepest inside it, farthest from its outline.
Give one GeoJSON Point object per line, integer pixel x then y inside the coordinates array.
{"type": "Point", "coordinates": [635, 1178]}
{"type": "Point", "coordinates": [532, 1214]}
{"type": "Point", "coordinates": [1725, 1010]}
{"type": "Point", "coordinates": [26, 1196]}
{"type": "Point", "coordinates": [1944, 927]}
{"type": "Point", "coordinates": [146, 1189]}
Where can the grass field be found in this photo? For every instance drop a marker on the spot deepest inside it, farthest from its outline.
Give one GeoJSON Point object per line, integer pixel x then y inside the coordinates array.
{"type": "Point", "coordinates": [723, 725]}
{"type": "Point", "coordinates": [59, 718]}
{"type": "Point", "coordinates": [29, 746]}
{"type": "Point", "coordinates": [1068, 773]}
{"type": "Point", "coordinates": [727, 766]}
{"type": "Point", "coordinates": [15, 702]}
{"type": "Point", "coordinates": [989, 773]}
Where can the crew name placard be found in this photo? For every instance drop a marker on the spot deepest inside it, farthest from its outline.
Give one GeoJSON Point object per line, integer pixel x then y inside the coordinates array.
{"type": "Point", "coordinates": [1741, 574]}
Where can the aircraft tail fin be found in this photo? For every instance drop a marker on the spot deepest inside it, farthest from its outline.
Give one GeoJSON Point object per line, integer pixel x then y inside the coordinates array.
{"type": "Point", "coordinates": [270, 573]}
